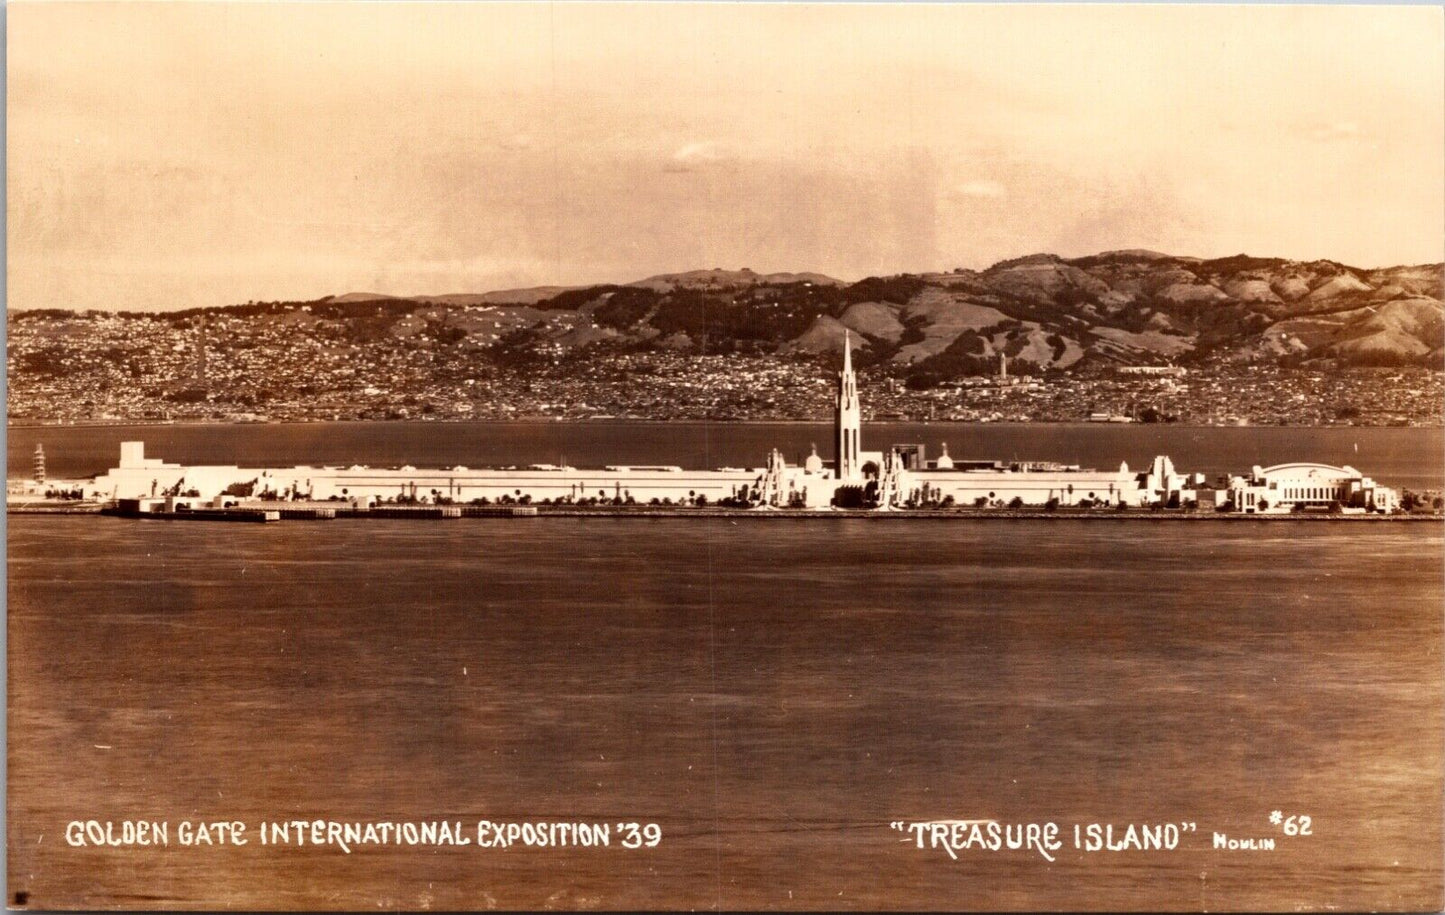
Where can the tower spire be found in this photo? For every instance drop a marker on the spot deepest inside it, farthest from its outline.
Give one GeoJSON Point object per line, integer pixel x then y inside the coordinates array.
{"type": "Point", "coordinates": [847, 418]}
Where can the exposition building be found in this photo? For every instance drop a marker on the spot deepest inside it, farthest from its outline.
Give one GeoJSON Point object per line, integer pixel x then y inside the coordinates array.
{"type": "Point", "coordinates": [1301, 486]}
{"type": "Point", "coordinates": [896, 477]}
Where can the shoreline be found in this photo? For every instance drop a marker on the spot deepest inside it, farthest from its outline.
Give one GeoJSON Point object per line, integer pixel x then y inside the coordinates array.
{"type": "Point", "coordinates": [432, 513]}
{"type": "Point", "coordinates": [543, 421]}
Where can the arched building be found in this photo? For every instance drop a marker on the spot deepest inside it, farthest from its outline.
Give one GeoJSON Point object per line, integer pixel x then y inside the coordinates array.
{"type": "Point", "coordinates": [1300, 486]}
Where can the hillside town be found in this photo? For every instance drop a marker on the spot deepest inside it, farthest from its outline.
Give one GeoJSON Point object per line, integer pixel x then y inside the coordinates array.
{"type": "Point", "coordinates": [97, 367]}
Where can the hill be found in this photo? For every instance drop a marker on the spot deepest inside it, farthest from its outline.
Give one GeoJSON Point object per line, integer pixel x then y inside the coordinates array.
{"type": "Point", "coordinates": [1042, 311]}
{"type": "Point", "coordinates": [579, 350]}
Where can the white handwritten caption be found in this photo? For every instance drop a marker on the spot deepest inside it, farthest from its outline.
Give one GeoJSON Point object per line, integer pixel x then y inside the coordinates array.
{"type": "Point", "coordinates": [949, 837]}
{"type": "Point", "coordinates": [346, 836]}
{"type": "Point", "coordinates": [1047, 839]}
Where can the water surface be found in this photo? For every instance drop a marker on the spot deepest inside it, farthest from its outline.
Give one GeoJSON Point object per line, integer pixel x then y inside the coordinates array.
{"type": "Point", "coordinates": [772, 694]}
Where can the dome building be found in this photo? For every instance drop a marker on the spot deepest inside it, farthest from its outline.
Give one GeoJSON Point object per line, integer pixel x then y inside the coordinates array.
{"type": "Point", "coordinates": [813, 464]}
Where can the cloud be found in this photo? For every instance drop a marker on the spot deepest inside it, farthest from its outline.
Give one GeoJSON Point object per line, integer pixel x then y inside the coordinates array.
{"type": "Point", "coordinates": [981, 188]}
{"type": "Point", "coordinates": [691, 155]}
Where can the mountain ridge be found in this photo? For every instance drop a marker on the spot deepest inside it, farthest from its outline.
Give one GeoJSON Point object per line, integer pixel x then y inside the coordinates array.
{"type": "Point", "coordinates": [1042, 311]}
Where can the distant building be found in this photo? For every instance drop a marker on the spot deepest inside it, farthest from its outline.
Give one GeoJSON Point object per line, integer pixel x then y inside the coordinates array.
{"type": "Point", "coordinates": [913, 456]}
{"type": "Point", "coordinates": [1170, 371]}
{"type": "Point", "coordinates": [1303, 486]}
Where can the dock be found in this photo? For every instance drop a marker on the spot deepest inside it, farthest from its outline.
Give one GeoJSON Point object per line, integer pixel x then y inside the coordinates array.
{"type": "Point", "coordinates": [243, 515]}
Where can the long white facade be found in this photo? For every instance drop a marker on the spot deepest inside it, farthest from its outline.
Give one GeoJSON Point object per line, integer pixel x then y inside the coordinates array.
{"type": "Point", "coordinates": [892, 479]}
{"type": "Point", "coordinates": [140, 477]}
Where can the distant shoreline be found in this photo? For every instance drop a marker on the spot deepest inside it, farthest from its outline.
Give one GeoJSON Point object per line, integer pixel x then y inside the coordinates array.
{"type": "Point", "coordinates": [803, 514]}
{"type": "Point", "coordinates": [693, 422]}
{"type": "Point", "coordinates": [974, 515]}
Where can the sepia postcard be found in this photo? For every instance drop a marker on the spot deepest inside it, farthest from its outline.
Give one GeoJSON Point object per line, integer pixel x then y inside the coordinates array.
{"type": "Point", "coordinates": [681, 456]}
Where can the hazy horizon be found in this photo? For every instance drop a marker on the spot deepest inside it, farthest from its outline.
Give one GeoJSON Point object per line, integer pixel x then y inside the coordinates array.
{"type": "Point", "coordinates": [425, 294]}
{"type": "Point", "coordinates": [176, 156]}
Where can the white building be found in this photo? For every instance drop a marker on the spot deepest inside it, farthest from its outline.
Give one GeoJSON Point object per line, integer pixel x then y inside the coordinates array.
{"type": "Point", "coordinates": [896, 478]}
{"type": "Point", "coordinates": [1167, 371]}
{"type": "Point", "coordinates": [1301, 486]}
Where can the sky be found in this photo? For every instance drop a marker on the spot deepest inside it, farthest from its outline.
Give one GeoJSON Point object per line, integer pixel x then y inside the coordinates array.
{"type": "Point", "coordinates": [174, 155]}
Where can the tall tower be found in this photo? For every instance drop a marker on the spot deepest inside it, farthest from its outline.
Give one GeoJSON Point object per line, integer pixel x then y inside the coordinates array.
{"type": "Point", "coordinates": [39, 463]}
{"type": "Point", "coordinates": [201, 371]}
{"type": "Point", "coordinates": [848, 418]}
